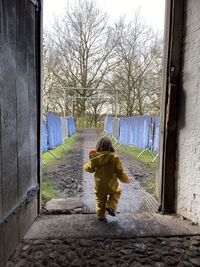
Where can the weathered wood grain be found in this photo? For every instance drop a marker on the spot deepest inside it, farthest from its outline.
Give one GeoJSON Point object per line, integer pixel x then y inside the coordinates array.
{"type": "Point", "coordinates": [2, 258]}
{"type": "Point", "coordinates": [11, 236]}
{"type": "Point", "coordinates": [23, 102]}
{"type": "Point", "coordinates": [27, 215]}
{"type": "Point", "coordinates": [8, 109]}
{"type": "Point", "coordinates": [1, 81]}
{"type": "Point", "coordinates": [32, 88]}
{"type": "Point", "coordinates": [19, 119]}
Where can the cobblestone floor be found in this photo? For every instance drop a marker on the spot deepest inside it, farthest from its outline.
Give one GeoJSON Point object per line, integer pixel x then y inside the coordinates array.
{"type": "Point", "coordinates": [158, 252]}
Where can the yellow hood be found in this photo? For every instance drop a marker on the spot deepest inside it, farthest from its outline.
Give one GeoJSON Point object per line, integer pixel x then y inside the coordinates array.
{"type": "Point", "coordinates": [101, 158]}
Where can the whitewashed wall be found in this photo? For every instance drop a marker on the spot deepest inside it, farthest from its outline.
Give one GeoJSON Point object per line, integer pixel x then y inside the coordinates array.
{"type": "Point", "coordinates": [188, 155]}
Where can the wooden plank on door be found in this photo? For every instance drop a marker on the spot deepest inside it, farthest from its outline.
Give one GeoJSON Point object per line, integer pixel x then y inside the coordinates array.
{"type": "Point", "coordinates": [38, 47]}
{"type": "Point", "coordinates": [18, 120]}
{"type": "Point", "coordinates": [23, 116]}
{"type": "Point", "coordinates": [8, 109]}
{"type": "Point", "coordinates": [1, 74]}
{"type": "Point", "coordinates": [9, 125]}
{"type": "Point", "coordinates": [2, 258]}
{"type": "Point", "coordinates": [32, 87]}
{"type": "Point", "coordinates": [27, 215]}
{"type": "Point", "coordinates": [2, 254]}
{"type": "Point", "coordinates": [11, 236]}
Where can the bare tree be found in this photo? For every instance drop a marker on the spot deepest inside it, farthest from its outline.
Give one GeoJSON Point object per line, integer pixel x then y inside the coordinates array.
{"type": "Point", "coordinates": [154, 80]}
{"type": "Point", "coordinates": [84, 47]}
{"type": "Point", "coordinates": [96, 108]}
{"type": "Point", "coordinates": [136, 51]}
{"type": "Point", "coordinates": [84, 52]}
{"type": "Point", "coordinates": [149, 84]}
{"type": "Point", "coordinates": [53, 97]}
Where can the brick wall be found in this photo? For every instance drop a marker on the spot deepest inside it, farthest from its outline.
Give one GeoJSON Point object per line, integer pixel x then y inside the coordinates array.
{"type": "Point", "coordinates": [188, 154]}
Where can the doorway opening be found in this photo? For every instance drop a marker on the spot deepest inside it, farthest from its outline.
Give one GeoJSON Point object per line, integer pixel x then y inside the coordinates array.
{"type": "Point", "coordinates": [105, 75]}
{"type": "Point", "coordinates": [20, 124]}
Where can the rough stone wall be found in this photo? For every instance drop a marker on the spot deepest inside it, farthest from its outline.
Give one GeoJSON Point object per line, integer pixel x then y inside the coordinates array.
{"type": "Point", "coordinates": [188, 154]}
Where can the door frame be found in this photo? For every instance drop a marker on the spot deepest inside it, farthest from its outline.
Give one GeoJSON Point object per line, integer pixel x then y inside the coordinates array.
{"type": "Point", "coordinates": [39, 79]}
{"type": "Point", "coordinates": [173, 36]}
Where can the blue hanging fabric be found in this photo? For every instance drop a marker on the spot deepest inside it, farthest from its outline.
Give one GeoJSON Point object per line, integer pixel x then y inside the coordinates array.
{"type": "Point", "coordinates": [71, 126]}
{"type": "Point", "coordinates": [64, 125]}
{"type": "Point", "coordinates": [115, 128]}
{"type": "Point", "coordinates": [109, 130]}
{"type": "Point", "coordinates": [44, 137]}
{"type": "Point", "coordinates": [135, 131]}
{"type": "Point", "coordinates": [156, 134]}
{"type": "Point", "coordinates": [54, 130]}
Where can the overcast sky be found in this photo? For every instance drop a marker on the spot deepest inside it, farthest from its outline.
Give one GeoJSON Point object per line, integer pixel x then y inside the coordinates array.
{"type": "Point", "coordinates": [152, 11]}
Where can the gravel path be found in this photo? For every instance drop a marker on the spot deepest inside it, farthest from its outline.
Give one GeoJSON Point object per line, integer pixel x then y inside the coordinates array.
{"type": "Point", "coordinates": [134, 198]}
{"type": "Point", "coordinates": [67, 173]}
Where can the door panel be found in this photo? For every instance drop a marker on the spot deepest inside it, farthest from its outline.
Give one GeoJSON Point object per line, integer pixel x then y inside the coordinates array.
{"type": "Point", "coordinates": [20, 34]}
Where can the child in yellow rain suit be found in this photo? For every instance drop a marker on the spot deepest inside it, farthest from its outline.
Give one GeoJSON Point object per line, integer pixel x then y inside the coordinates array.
{"type": "Point", "coordinates": [107, 168]}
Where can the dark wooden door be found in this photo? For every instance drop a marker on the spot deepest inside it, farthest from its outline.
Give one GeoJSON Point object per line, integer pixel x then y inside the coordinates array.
{"type": "Point", "coordinates": [19, 120]}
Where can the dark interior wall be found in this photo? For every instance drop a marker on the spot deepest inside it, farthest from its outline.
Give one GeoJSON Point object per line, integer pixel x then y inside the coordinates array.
{"type": "Point", "coordinates": [19, 116]}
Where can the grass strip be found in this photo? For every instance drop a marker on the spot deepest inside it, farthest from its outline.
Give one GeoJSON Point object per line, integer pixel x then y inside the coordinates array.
{"type": "Point", "coordinates": [48, 159]}
{"type": "Point", "coordinates": [48, 191]}
{"type": "Point", "coordinates": [134, 152]}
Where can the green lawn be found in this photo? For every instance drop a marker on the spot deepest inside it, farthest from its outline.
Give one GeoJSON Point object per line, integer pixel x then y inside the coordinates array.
{"type": "Point", "coordinates": [145, 157]}
{"type": "Point", "coordinates": [48, 159]}
{"type": "Point", "coordinates": [48, 191]}
{"type": "Point", "coordinates": [151, 188]}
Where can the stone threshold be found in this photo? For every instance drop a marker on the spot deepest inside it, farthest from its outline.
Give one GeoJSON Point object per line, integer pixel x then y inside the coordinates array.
{"type": "Point", "coordinates": [122, 226]}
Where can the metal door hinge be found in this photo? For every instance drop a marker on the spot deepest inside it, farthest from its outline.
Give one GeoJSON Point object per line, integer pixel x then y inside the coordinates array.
{"type": "Point", "coordinates": [30, 195]}
{"type": "Point", "coordinates": [36, 4]}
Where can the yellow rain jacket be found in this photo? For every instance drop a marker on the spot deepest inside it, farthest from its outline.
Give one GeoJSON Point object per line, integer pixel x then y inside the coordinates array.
{"type": "Point", "coordinates": [108, 169]}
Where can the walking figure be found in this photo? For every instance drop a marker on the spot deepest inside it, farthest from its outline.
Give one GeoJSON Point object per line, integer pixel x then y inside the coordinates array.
{"type": "Point", "coordinates": [107, 168]}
